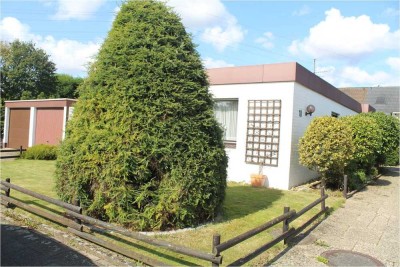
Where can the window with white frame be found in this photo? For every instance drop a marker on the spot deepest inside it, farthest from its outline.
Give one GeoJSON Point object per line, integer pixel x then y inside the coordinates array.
{"type": "Point", "coordinates": [226, 113]}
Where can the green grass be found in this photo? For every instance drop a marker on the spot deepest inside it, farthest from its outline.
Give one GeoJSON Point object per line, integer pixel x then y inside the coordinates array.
{"type": "Point", "coordinates": [245, 207]}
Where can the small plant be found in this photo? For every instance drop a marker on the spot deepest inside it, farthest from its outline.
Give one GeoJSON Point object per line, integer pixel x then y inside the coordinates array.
{"type": "Point", "coordinates": [322, 259]}
{"type": "Point", "coordinates": [321, 243]}
{"type": "Point", "coordinates": [41, 152]}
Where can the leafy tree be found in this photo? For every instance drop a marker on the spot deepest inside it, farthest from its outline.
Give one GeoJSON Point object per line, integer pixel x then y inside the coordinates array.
{"type": "Point", "coordinates": [25, 68]}
{"type": "Point", "coordinates": [326, 146]}
{"type": "Point", "coordinates": [390, 130]}
{"type": "Point", "coordinates": [25, 73]}
{"type": "Point", "coordinates": [67, 86]}
{"type": "Point", "coordinates": [143, 148]}
{"type": "Point", "coordinates": [367, 140]}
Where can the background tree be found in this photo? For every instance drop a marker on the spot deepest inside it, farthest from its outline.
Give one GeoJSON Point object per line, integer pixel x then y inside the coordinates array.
{"type": "Point", "coordinates": [25, 68]}
{"type": "Point", "coordinates": [25, 73]}
{"type": "Point", "coordinates": [143, 147]}
{"type": "Point", "coordinates": [326, 147]}
{"type": "Point", "coordinates": [67, 86]}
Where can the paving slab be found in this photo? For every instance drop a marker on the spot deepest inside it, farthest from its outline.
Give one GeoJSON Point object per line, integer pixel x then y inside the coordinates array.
{"type": "Point", "coordinates": [368, 224]}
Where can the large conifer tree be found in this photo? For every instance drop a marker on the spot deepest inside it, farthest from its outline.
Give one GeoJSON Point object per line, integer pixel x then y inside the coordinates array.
{"type": "Point", "coordinates": [143, 148]}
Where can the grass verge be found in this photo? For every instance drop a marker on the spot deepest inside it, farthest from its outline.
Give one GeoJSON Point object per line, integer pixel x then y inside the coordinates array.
{"type": "Point", "coordinates": [244, 208]}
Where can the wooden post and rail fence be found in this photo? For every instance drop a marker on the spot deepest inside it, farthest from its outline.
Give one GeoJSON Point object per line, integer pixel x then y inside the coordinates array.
{"type": "Point", "coordinates": [74, 220]}
{"type": "Point", "coordinates": [6, 150]}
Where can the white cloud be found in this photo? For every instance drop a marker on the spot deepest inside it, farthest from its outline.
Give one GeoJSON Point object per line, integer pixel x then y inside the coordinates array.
{"type": "Point", "coordinates": [304, 10]}
{"type": "Point", "coordinates": [266, 40]}
{"type": "Point", "coordinates": [351, 37]}
{"type": "Point", "coordinates": [211, 63]}
{"type": "Point", "coordinates": [80, 9]}
{"type": "Point", "coordinates": [359, 76]}
{"type": "Point", "coordinates": [197, 14]}
{"type": "Point", "coordinates": [70, 56]}
{"type": "Point", "coordinates": [351, 76]}
{"type": "Point", "coordinates": [394, 63]}
{"type": "Point", "coordinates": [391, 12]}
{"type": "Point", "coordinates": [12, 29]}
{"type": "Point", "coordinates": [217, 26]}
{"type": "Point", "coordinates": [221, 37]}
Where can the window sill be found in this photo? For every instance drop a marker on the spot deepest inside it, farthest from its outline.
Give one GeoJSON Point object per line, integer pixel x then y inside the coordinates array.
{"type": "Point", "coordinates": [229, 144]}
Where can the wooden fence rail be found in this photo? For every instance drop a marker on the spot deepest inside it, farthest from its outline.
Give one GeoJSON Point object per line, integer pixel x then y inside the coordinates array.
{"type": "Point", "coordinates": [74, 212]}
{"type": "Point", "coordinates": [42, 197]}
{"type": "Point", "coordinates": [242, 237]}
{"type": "Point", "coordinates": [73, 219]}
{"type": "Point", "coordinates": [20, 150]}
{"type": "Point", "coordinates": [286, 218]}
{"type": "Point", "coordinates": [146, 239]}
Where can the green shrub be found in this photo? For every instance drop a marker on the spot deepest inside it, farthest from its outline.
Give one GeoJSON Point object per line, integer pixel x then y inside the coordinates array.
{"type": "Point", "coordinates": [143, 148]}
{"type": "Point", "coordinates": [41, 152]}
{"type": "Point", "coordinates": [390, 130]}
{"type": "Point", "coordinates": [357, 179]}
{"type": "Point", "coordinates": [326, 147]}
{"type": "Point", "coordinates": [367, 140]}
{"type": "Point", "coordinates": [392, 157]}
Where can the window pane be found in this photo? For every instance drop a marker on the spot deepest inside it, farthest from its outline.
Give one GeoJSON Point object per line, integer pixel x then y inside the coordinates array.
{"type": "Point", "coordinates": [226, 114]}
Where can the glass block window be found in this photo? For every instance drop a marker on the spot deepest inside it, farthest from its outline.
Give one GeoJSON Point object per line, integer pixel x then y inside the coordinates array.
{"type": "Point", "coordinates": [263, 131]}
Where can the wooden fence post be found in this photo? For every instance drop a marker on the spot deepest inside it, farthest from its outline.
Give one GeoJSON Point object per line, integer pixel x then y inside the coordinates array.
{"type": "Point", "coordinates": [77, 202]}
{"type": "Point", "coordinates": [8, 180]}
{"type": "Point", "coordinates": [345, 180]}
{"type": "Point", "coordinates": [323, 201]}
{"type": "Point", "coordinates": [285, 226]}
{"type": "Point", "coordinates": [20, 151]}
{"type": "Point", "coordinates": [216, 242]}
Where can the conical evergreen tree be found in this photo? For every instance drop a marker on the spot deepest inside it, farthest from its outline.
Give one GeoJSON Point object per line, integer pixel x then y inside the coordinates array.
{"type": "Point", "coordinates": [143, 148]}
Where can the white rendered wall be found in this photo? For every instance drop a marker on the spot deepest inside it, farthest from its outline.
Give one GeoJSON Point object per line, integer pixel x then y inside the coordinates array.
{"type": "Point", "coordinates": [323, 107]}
{"type": "Point", "coordinates": [238, 169]}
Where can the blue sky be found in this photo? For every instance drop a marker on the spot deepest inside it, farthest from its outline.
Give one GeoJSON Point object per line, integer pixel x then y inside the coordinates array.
{"type": "Point", "coordinates": [353, 43]}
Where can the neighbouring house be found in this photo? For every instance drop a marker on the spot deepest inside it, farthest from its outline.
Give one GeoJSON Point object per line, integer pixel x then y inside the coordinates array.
{"type": "Point", "coordinates": [31, 122]}
{"type": "Point", "coordinates": [264, 110]}
{"type": "Point", "coordinates": [383, 98]}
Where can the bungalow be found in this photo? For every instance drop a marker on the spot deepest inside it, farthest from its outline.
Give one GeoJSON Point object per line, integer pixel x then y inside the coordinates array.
{"type": "Point", "coordinates": [264, 111]}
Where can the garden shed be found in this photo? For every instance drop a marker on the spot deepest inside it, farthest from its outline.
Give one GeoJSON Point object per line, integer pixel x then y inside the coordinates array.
{"type": "Point", "coordinates": [264, 110]}
{"type": "Point", "coordinates": [31, 122]}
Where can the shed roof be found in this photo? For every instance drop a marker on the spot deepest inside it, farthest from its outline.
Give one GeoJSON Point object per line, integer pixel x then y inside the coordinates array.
{"type": "Point", "coordinates": [40, 103]}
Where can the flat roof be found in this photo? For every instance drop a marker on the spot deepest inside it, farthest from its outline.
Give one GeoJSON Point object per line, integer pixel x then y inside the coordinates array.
{"type": "Point", "coordinates": [40, 103]}
{"type": "Point", "coordinates": [281, 72]}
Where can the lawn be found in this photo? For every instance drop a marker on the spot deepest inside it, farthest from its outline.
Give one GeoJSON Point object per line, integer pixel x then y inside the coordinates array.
{"type": "Point", "coordinates": [244, 208]}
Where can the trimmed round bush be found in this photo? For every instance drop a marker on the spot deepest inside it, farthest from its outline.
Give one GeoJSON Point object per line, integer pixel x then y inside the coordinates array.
{"type": "Point", "coordinates": [326, 147]}
{"type": "Point", "coordinates": [143, 148]}
{"type": "Point", "coordinates": [41, 152]}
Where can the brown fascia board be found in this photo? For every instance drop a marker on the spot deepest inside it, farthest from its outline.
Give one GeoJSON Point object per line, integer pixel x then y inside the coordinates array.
{"type": "Point", "coordinates": [281, 72]}
{"type": "Point", "coordinates": [322, 87]}
{"type": "Point", "coordinates": [40, 103]}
